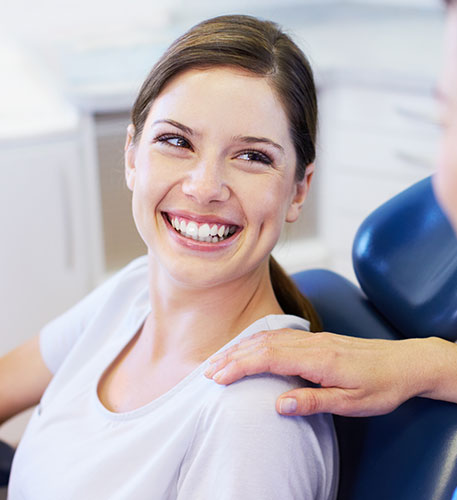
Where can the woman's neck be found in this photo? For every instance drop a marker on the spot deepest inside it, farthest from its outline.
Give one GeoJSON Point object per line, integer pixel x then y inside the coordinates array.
{"type": "Point", "coordinates": [190, 324]}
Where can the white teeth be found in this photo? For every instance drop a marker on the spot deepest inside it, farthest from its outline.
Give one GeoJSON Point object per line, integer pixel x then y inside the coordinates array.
{"type": "Point", "coordinates": [192, 230]}
{"type": "Point", "coordinates": [203, 231]}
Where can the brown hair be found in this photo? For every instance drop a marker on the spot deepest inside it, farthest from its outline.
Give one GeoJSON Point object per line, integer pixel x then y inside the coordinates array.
{"type": "Point", "coordinates": [262, 48]}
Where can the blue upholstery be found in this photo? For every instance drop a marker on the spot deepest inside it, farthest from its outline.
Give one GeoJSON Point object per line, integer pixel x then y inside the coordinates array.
{"type": "Point", "coordinates": [405, 257]}
{"type": "Point", "coordinates": [6, 457]}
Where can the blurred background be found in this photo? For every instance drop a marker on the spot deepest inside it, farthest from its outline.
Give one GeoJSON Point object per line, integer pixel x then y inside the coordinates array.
{"type": "Point", "coordinates": [69, 74]}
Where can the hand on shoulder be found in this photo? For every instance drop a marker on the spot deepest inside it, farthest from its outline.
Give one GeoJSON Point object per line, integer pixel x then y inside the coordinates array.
{"type": "Point", "coordinates": [358, 377]}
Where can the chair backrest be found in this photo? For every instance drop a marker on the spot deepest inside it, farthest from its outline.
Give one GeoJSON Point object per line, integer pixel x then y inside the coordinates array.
{"type": "Point", "coordinates": [6, 458]}
{"type": "Point", "coordinates": [405, 258]}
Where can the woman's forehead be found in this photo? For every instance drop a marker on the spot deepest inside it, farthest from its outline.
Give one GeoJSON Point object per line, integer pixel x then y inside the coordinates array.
{"type": "Point", "coordinates": [223, 95]}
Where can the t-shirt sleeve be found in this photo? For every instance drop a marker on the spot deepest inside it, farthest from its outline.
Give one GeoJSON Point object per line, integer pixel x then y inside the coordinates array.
{"type": "Point", "coordinates": [59, 336]}
{"type": "Point", "coordinates": [244, 449]}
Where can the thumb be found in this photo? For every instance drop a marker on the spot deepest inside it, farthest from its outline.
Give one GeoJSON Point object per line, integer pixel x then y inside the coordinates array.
{"type": "Point", "coordinates": [312, 400]}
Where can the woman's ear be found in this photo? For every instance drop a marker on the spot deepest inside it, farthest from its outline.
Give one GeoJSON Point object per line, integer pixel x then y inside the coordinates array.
{"type": "Point", "coordinates": [129, 158]}
{"type": "Point", "coordinates": [300, 194]}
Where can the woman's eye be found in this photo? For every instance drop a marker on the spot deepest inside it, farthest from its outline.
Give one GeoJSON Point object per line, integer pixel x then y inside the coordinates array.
{"type": "Point", "coordinates": [256, 156]}
{"type": "Point", "coordinates": [174, 140]}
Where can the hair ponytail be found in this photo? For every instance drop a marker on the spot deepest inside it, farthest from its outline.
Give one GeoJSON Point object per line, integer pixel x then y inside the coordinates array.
{"type": "Point", "coordinates": [289, 297]}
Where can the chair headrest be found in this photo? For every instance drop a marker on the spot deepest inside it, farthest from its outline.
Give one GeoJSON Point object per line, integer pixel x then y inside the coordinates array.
{"type": "Point", "coordinates": [405, 258]}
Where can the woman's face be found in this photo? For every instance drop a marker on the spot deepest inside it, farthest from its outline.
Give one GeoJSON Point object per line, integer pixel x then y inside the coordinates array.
{"type": "Point", "coordinates": [213, 176]}
{"type": "Point", "coordinates": [446, 178]}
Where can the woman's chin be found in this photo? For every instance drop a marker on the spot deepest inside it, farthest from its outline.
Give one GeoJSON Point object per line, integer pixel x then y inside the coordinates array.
{"type": "Point", "coordinates": [199, 277]}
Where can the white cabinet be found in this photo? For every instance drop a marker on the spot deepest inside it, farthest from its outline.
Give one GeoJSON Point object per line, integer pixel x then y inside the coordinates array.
{"type": "Point", "coordinates": [122, 243]}
{"type": "Point", "coordinates": [375, 141]}
{"type": "Point", "coordinates": [44, 262]}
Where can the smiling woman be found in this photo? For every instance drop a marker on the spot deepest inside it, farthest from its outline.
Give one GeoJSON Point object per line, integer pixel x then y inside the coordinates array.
{"type": "Point", "coordinates": [218, 157]}
{"type": "Point", "coordinates": [261, 56]}
{"type": "Point", "coordinates": [198, 172]}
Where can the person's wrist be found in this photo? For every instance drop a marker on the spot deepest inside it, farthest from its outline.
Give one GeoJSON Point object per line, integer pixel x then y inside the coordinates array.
{"type": "Point", "coordinates": [439, 375]}
{"type": "Point", "coordinates": [412, 367]}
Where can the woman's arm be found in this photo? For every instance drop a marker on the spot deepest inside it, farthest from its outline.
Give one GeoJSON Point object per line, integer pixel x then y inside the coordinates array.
{"type": "Point", "coordinates": [358, 377]}
{"type": "Point", "coordinates": [23, 379]}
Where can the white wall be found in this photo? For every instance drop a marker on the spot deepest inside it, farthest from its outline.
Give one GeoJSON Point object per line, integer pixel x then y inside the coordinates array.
{"type": "Point", "coordinates": [51, 20]}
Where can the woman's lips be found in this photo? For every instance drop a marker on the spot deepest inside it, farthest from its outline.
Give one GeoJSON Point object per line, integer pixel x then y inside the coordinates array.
{"type": "Point", "coordinates": [204, 230]}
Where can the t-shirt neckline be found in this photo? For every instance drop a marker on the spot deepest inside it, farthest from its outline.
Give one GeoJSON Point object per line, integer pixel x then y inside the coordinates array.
{"type": "Point", "coordinates": [156, 403]}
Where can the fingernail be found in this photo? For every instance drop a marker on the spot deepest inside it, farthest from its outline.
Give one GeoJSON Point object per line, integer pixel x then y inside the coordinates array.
{"type": "Point", "coordinates": [214, 367]}
{"type": "Point", "coordinates": [217, 376]}
{"type": "Point", "coordinates": [211, 371]}
{"type": "Point", "coordinates": [288, 405]}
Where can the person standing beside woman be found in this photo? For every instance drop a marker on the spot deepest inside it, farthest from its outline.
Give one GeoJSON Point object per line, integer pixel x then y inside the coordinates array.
{"type": "Point", "coordinates": [414, 367]}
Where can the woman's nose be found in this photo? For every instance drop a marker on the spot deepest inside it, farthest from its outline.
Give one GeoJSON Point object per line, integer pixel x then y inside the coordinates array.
{"type": "Point", "coordinates": [205, 183]}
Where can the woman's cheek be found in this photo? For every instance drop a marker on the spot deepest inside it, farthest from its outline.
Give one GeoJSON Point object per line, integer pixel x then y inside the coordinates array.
{"type": "Point", "coordinates": [270, 205]}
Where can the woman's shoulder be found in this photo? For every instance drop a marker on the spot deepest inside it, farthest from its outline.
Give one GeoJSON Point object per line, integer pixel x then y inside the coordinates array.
{"type": "Point", "coordinates": [136, 269]}
{"type": "Point", "coordinates": [126, 281]}
{"type": "Point", "coordinates": [259, 391]}
{"type": "Point", "coordinates": [276, 321]}
{"type": "Point", "coordinates": [252, 398]}
{"type": "Point", "coordinates": [271, 322]}
{"type": "Point", "coordinates": [242, 420]}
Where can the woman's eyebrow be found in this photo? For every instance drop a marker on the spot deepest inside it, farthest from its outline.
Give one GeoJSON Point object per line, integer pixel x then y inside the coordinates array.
{"type": "Point", "coordinates": [250, 139]}
{"type": "Point", "coordinates": [245, 138]}
{"type": "Point", "coordinates": [176, 124]}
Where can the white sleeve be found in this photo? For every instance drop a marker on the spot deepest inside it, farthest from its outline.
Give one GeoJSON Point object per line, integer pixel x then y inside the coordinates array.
{"type": "Point", "coordinates": [59, 336]}
{"type": "Point", "coordinates": [244, 449]}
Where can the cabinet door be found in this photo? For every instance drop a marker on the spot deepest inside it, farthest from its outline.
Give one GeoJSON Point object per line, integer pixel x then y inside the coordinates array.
{"type": "Point", "coordinates": [43, 261]}
{"type": "Point", "coordinates": [375, 142]}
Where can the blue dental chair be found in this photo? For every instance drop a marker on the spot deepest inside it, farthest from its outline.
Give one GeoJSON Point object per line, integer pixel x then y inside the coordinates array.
{"type": "Point", "coordinates": [6, 457]}
{"type": "Point", "coordinates": [405, 259]}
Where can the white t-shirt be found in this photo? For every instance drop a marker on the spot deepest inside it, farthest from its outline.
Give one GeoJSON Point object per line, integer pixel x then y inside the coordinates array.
{"type": "Point", "coordinates": [198, 441]}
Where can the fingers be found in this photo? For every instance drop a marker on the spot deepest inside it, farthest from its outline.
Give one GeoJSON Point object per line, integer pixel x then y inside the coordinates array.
{"type": "Point", "coordinates": [275, 352]}
{"type": "Point", "coordinates": [245, 362]}
{"type": "Point", "coordinates": [355, 402]}
{"type": "Point", "coordinates": [308, 401]}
